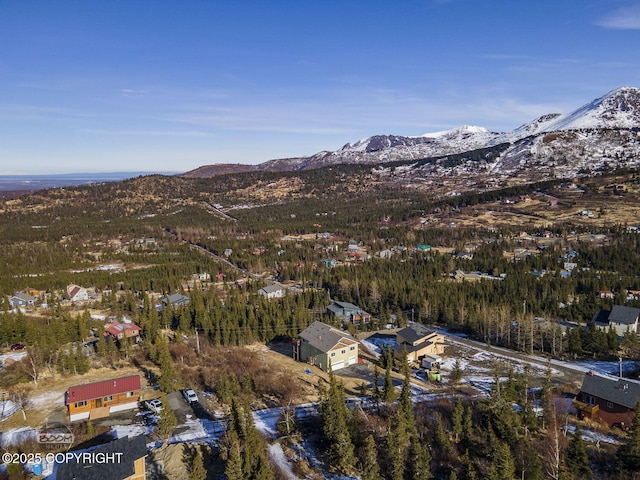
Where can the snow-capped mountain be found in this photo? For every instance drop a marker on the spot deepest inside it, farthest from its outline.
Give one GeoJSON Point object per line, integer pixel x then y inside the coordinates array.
{"type": "Point", "coordinates": [602, 134]}
{"type": "Point", "coordinates": [617, 109]}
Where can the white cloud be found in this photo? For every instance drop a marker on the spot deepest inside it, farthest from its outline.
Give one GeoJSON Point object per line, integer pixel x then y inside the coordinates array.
{"type": "Point", "coordinates": [128, 92]}
{"type": "Point", "coordinates": [147, 133]}
{"type": "Point", "coordinates": [627, 18]}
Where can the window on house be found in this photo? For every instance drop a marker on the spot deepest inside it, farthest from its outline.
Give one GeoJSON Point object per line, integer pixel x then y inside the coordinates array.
{"type": "Point", "coordinates": [130, 394]}
{"type": "Point", "coordinates": [352, 348]}
{"type": "Point", "coordinates": [80, 404]}
{"type": "Point", "coordinates": [610, 405]}
{"type": "Point", "coordinates": [591, 400]}
{"type": "Point", "coordinates": [333, 354]}
{"type": "Point", "coordinates": [343, 352]}
{"type": "Point", "coordinates": [108, 398]}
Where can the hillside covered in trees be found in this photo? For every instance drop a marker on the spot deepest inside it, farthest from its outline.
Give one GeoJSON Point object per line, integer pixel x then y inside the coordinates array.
{"type": "Point", "coordinates": [506, 267]}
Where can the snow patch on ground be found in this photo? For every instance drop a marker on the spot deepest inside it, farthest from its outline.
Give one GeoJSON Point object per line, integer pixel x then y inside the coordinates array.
{"type": "Point", "coordinates": [14, 357]}
{"type": "Point", "coordinates": [375, 344]}
{"type": "Point", "coordinates": [277, 456]}
{"type": "Point", "coordinates": [7, 408]}
{"type": "Point", "coordinates": [47, 399]}
{"type": "Point", "coordinates": [121, 431]}
{"type": "Point", "coordinates": [16, 436]}
{"type": "Point", "coordinates": [266, 421]}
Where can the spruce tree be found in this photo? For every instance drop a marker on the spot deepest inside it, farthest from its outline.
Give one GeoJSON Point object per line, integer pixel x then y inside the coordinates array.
{"type": "Point", "coordinates": [419, 462]}
{"type": "Point", "coordinates": [456, 373]}
{"type": "Point", "coordinates": [397, 455]}
{"type": "Point", "coordinates": [388, 391]}
{"type": "Point", "coordinates": [456, 419]}
{"type": "Point", "coordinates": [628, 454]}
{"type": "Point", "coordinates": [335, 428]}
{"type": "Point", "coordinates": [441, 438]}
{"type": "Point", "coordinates": [467, 428]}
{"type": "Point", "coordinates": [576, 459]}
{"type": "Point", "coordinates": [470, 470]}
{"type": "Point", "coordinates": [369, 467]}
{"type": "Point", "coordinates": [233, 468]}
{"type": "Point", "coordinates": [256, 464]}
{"type": "Point", "coordinates": [246, 451]}
{"type": "Point", "coordinates": [377, 393]}
{"type": "Point", "coordinates": [529, 463]}
{"type": "Point", "coordinates": [168, 380]}
{"type": "Point", "coordinates": [196, 469]}
{"type": "Point", "coordinates": [167, 422]}
{"type": "Point", "coordinates": [502, 465]}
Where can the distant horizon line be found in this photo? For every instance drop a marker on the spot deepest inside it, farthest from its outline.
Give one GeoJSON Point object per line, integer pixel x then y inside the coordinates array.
{"type": "Point", "coordinates": [40, 181]}
{"type": "Point", "coordinates": [85, 174]}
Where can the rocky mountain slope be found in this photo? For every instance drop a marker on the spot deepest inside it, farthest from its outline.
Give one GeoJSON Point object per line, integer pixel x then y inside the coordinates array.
{"type": "Point", "coordinates": [601, 135]}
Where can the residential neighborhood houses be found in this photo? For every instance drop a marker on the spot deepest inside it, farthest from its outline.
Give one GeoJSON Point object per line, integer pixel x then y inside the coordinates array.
{"type": "Point", "coordinates": [329, 347]}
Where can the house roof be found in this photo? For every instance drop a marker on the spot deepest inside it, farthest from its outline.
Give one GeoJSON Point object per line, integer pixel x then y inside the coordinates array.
{"type": "Point", "coordinates": [346, 305]}
{"type": "Point", "coordinates": [338, 308]}
{"type": "Point", "coordinates": [129, 329]}
{"type": "Point", "coordinates": [415, 332]}
{"type": "Point", "coordinates": [272, 288]}
{"type": "Point", "coordinates": [73, 290]}
{"type": "Point", "coordinates": [325, 337]}
{"type": "Point", "coordinates": [80, 393]}
{"type": "Point", "coordinates": [24, 297]}
{"type": "Point", "coordinates": [601, 318]}
{"type": "Point", "coordinates": [620, 391]}
{"type": "Point", "coordinates": [624, 315]}
{"type": "Point", "coordinates": [177, 299]}
{"type": "Point", "coordinates": [129, 449]}
{"type": "Point", "coordinates": [413, 348]}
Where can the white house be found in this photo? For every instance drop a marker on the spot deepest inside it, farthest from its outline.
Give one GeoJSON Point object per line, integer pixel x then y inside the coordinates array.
{"type": "Point", "coordinates": [77, 293]}
{"type": "Point", "coordinates": [22, 299]}
{"type": "Point", "coordinates": [272, 291]}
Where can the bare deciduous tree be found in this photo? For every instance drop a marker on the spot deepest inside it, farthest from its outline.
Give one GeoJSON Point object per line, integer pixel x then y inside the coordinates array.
{"type": "Point", "coordinates": [33, 363]}
{"type": "Point", "coordinates": [19, 395]}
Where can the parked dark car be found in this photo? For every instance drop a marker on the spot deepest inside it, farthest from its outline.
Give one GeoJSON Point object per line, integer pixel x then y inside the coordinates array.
{"type": "Point", "coordinates": [17, 346]}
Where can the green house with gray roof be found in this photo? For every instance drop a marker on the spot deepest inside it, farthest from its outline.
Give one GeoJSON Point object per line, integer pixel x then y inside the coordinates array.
{"type": "Point", "coordinates": [327, 347]}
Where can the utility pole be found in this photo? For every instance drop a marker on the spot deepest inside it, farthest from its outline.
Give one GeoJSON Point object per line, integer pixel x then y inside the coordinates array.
{"type": "Point", "coordinates": [197, 342]}
{"type": "Point", "coordinates": [620, 359]}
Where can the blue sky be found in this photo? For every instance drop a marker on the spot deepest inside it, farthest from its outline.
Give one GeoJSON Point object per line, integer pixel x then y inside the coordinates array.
{"type": "Point", "coordinates": [142, 85]}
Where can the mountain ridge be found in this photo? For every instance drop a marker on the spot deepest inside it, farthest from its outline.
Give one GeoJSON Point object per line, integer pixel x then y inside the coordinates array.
{"type": "Point", "coordinates": [572, 134]}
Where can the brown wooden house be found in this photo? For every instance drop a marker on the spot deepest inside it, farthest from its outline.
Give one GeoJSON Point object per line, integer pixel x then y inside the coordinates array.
{"type": "Point", "coordinates": [607, 399]}
{"type": "Point", "coordinates": [415, 341]}
{"type": "Point", "coordinates": [101, 399]}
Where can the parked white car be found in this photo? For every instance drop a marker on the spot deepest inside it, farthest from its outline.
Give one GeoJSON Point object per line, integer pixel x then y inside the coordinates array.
{"type": "Point", "coordinates": [189, 396]}
{"type": "Point", "coordinates": [154, 405]}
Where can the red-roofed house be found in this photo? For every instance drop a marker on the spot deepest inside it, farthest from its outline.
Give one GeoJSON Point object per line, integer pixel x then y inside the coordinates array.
{"type": "Point", "coordinates": [120, 331]}
{"type": "Point", "coordinates": [101, 399]}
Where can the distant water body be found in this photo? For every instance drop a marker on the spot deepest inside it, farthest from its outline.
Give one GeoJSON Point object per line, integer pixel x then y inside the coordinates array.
{"type": "Point", "coordinates": [10, 183]}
